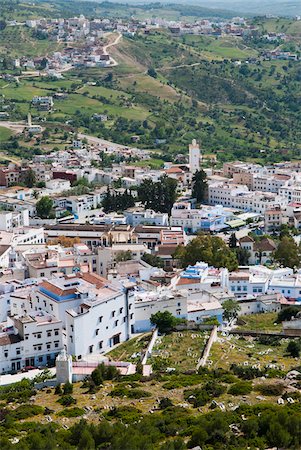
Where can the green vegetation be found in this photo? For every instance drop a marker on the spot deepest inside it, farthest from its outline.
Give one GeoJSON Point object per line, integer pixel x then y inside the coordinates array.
{"type": "Point", "coordinates": [248, 111]}
{"type": "Point", "coordinates": [129, 350]}
{"type": "Point", "coordinates": [178, 350]}
{"type": "Point", "coordinates": [159, 196]}
{"type": "Point", "coordinates": [164, 321]}
{"type": "Point", "coordinates": [260, 322]}
{"type": "Point", "coordinates": [5, 134]}
{"type": "Point", "coordinates": [210, 249]}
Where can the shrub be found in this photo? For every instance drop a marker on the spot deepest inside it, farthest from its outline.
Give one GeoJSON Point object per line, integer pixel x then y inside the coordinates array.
{"type": "Point", "coordinates": [287, 313]}
{"type": "Point", "coordinates": [240, 388]}
{"type": "Point", "coordinates": [68, 388]}
{"type": "Point", "coordinates": [246, 373]}
{"type": "Point", "coordinates": [72, 412]}
{"type": "Point", "coordinates": [128, 414]}
{"type": "Point", "coordinates": [21, 391]}
{"type": "Point", "coordinates": [293, 348]}
{"type": "Point", "coordinates": [165, 402]}
{"type": "Point", "coordinates": [270, 389]}
{"type": "Point", "coordinates": [67, 400]}
{"type": "Point", "coordinates": [201, 396]}
{"type": "Point", "coordinates": [58, 389]}
{"type": "Point", "coordinates": [129, 393]}
{"type": "Point", "coordinates": [273, 341]}
{"type": "Point", "coordinates": [97, 377]}
{"type": "Point", "coordinates": [25, 411]}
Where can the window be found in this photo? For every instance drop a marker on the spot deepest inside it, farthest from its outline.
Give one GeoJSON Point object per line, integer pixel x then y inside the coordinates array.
{"type": "Point", "coordinates": [56, 344]}
{"type": "Point", "coordinates": [39, 335]}
{"type": "Point", "coordinates": [42, 274]}
{"type": "Point", "coordinates": [100, 319]}
{"type": "Point", "coordinates": [96, 331]}
{"type": "Point", "coordinates": [116, 323]}
{"type": "Point", "coordinates": [72, 328]}
{"type": "Point", "coordinates": [91, 349]}
{"type": "Point", "coordinates": [100, 344]}
{"type": "Point", "coordinates": [6, 354]}
{"type": "Point", "coordinates": [113, 313]}
{"type": "Point", "coordinates": [26, 337]}
{"type": "Point", "coordinates": [120, 310]}
{"type": "Point", "coordinates": [40, 358]}
{"type": "Point", "coordinates": [48, 346]}
{"type": "Point", "coordinates": [18, 351]}
{"type": "Point", "coordinates": [48, 333]}
{"type": "Point", "coordinates": [124, 319]}
{"type": "Point", "coordinates": [56, 332]}
{"type": "Point", "coordinates": [131, 316]}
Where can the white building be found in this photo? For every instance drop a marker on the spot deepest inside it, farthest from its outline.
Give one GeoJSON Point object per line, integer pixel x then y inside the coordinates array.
{"type": "Point", "coordinates": [9, 220]}
{"type": "Point", "coordinates": [96, 314]}
{"type": "Point", "coordinates": [148, 303]}
{"type": "Point", "coordinates": [146, 217]}
{"type": "Point", "coordinates": [194, 157]}
{"type": "Point", "coordinates": [30, 340]}
{"type": "Point", "coordinates": [240, 197]}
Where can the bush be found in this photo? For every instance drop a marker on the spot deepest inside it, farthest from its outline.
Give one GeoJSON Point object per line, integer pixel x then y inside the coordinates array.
{"type": "Point", "coordinates": [287, 313]}
{"type": "Point", "coordinates": [128, 414]}
{"type": "Point", "coordinates": [246, 373]}
{"type": "Point", "coordinates": [201, 396]}
{"type": "Point", "coordinates": [270, 389]}
{"type": "Point", "coordinates": [97, 377]}
{"type": "Point", "coordinates": [67, 400]}
{"type": "Point", "coordinates": [273, 341]}
{"type": "Point", "coordinates": [58, 389]}
{"type": "Point", "coordinates": [240, 388]}
{"type": "Point", "coordinates": [293, 348]}
{"type": "Point", "coordinates": [25, 411]}
{"type": "Point", "coordinates": [67, 388]}
{"type": "Point", "coordinates": [129, 393]}
{"type": "Point", "coordinates": [21, 391]}
{"type": "Point", "coordinates": [165, 402]}
{"type": "Point", "coordinates": [72, 412]}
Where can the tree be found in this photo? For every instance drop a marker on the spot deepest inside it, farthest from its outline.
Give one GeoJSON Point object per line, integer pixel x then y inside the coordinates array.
{"type": "Point", "coordinates": [152, 73]}
{"type": "Point", "coordinates": [164, 321]}
{"type": "Point", "coordinates": [288, 253]}
{"type": "Point", "coordinates": [68, 388]}
{"type": "Point", "coordinates": [199, 185]}
{"type": "Point", "coordinates": [30, 178]}
{"type": "Point", "coordinates": [97, 377]}
{"type": "Point", "coordinates": [231, 309]}
{"type": "Point", "coordinates": [287, 313]}
{"type": "Point", "coordinates": [44, 207]}
{"type": "Point", "coordinates": [243, 256]}
{"type": "Point", "coordinates": [152, 260]}
{"type": "Point", "coordinates": [124, 255]}
{"type": "Point", "coordinates": [233, 241]}
{"type": "Point", "coordinates": [159, 196]}
{"type": "Point", "coordinates": [293, 348]}
{"type": "Point", "coordinates": [210, 249]}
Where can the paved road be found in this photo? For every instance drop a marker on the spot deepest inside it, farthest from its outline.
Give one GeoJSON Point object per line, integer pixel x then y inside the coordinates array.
{"type": "Point", "coordinates": [99, 141]}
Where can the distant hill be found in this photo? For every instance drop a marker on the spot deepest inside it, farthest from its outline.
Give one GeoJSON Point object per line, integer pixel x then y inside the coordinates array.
{"type": "Point", "coordinates": [237, 7]}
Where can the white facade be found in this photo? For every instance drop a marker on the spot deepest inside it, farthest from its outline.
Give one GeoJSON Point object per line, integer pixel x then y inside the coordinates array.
{"type": "Point", "coordinates": [148, 303]}
{"type": "Point", "coordinates": [96, 314]}
{"type": "Point", "coordinates": [194, 157]}
{"type": "Point", "coordinates": [239, 196]}
{"type": "Point", "coordinates": [147, 217]}
{"type": "Point", "coordinates": [9, 220]}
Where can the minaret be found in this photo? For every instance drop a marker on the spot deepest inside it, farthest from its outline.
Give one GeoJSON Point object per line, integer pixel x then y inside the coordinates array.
{"type": "Point", "coordinates": [194, 157]}
{"type": "Point", "coordinates": [29, 120]}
